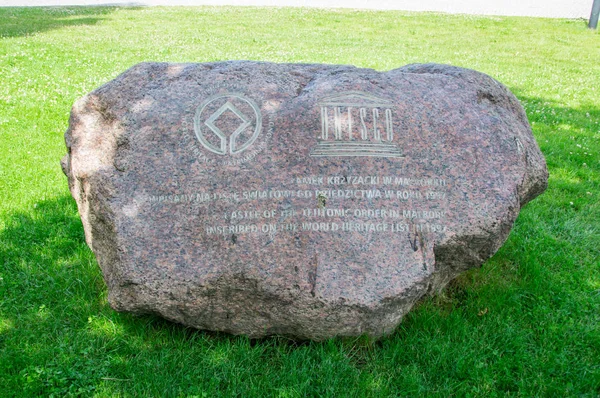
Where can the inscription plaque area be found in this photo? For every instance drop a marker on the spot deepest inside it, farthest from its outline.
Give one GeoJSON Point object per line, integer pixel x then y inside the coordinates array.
{"type": "Point", "coordinates": [307, 200]}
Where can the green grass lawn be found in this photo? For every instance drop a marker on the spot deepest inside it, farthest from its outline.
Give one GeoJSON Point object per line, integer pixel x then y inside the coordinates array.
{"type": "Point", "coordinates": [526, 324]}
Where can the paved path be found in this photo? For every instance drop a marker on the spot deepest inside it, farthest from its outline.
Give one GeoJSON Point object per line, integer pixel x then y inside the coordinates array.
{"type": "Point", "coordinates": [534, 8]}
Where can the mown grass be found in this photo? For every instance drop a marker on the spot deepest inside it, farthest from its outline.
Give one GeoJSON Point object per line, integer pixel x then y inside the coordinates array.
{"type": "Point", "coordinates": [527, 323]}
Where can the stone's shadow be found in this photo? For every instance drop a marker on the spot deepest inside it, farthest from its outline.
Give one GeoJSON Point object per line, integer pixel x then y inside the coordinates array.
{"type": "Point", "coordinates": [48, 232]}
{"type": "Point", "coordinates": [42, 251]}
{"type": "Point", "coordinates": [24, 21]}
{"type": "Point", "coordinates": [567, 137]}
{"type": "Point", "coordinates": [547, 114]}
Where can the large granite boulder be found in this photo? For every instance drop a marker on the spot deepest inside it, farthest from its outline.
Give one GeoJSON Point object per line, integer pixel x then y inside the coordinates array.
{"type": "Point", "coordinates": [306, 200]}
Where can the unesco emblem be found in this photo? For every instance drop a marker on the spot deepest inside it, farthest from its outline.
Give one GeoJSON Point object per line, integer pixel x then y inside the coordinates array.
{"type": "Point", "coordinates": [227, 124]}
{"type": "Point", "coordinates": [355, 123]}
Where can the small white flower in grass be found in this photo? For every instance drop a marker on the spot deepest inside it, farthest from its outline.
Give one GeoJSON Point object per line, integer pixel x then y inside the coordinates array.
{"type": "Point", "coordinates": [35, 205]}
{"type": "Point", "coordinates": [571, 203]}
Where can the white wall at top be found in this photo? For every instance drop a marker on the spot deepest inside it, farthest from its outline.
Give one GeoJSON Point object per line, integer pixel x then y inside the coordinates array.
{"type": "Point", "coordinates": [539, 8]}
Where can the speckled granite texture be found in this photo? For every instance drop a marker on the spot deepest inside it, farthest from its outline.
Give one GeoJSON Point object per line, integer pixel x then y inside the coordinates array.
{"type": "Point", "coordinates": [305, 200]}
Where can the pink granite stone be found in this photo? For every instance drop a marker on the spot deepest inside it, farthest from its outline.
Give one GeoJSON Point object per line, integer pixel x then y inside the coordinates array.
{"type": "Point", "coordinates": [305, 200]}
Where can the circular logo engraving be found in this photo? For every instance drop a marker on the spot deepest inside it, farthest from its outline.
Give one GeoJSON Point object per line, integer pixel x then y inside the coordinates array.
{"type": "Point", "coordinates": [227, 124]}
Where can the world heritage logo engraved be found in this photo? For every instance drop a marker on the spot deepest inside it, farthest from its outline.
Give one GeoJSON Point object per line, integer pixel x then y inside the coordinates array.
{"type": "Point", "coordinates": [228, 123]}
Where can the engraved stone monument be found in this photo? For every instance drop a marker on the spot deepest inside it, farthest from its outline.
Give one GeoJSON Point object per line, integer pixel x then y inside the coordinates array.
{"type": "Point", "coordinates": [306, 200]}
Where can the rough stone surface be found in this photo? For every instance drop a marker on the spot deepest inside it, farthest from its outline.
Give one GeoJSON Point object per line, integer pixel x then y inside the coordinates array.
{"type": "Point", "coordinates": [305, 200]}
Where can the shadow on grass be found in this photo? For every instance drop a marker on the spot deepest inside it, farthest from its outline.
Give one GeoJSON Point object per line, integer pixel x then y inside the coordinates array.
{"type": "Point", "coordinates": [55, 323]}
{"type": "Point", "coordinates": [23, 21]}
{"type": "Point", "coordinates": [568, 138]}
{"type": "Point", "coordinates": [546, 116]}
